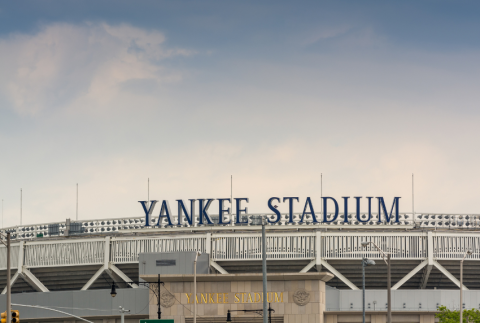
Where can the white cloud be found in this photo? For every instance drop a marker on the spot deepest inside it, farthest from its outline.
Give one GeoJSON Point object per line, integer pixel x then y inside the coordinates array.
{"type": "Point", "coordinates": [87, 66]}
{"type": "Point", "coordinates": [365, 121]}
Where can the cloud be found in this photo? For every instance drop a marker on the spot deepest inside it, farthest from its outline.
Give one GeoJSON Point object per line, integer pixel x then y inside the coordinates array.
{"type": "Point", "coordinates": [82, 67]}
{"type": "Point", "coordinates": [365, 119]}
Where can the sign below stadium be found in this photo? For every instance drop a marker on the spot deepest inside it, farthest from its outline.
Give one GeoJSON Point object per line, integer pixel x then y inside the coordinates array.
{"type": "Point", "coordinates": [225, 214]}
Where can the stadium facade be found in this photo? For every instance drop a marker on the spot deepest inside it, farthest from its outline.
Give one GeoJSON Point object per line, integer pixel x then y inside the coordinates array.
{"type": "Point", "coordinates": [314, 265]}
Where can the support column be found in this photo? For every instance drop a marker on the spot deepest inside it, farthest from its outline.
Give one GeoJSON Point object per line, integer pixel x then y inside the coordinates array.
{"type": "Point", "coordinates": [448, 274]}
{"type": "Point", "coordinates": [113, 271]}
{"type": "Point", "coordinates": [339, 275]}
{"type": "Point", "coordinates": [410, 275]}
{"type": "Point", "coordinates": [208, 249]}
{"type": "Point", "coordinates": [318, 251]}
{"type": "Point", "coordinates": [24, 273]}
{"type": "Point", "coordinates": [429, 266]}
{"type": "Point", "coordinates": [218, 267]}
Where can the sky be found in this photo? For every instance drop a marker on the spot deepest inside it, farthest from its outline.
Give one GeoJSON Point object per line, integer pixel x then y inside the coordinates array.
{"type": "Point", "coordinates": [109, 94]}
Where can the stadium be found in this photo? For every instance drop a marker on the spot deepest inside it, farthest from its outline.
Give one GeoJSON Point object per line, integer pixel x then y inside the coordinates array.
{"type": "Point", "coordinates": [71, 266]}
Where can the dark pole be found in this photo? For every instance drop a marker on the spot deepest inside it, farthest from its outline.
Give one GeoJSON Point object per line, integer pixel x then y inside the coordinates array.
{"type": "Point", "coordinates": [158, 299]}
{"type": "Point", "coordinates": [9, 289]}
{"type": "Point", "coordinates": [363, 279]}
{"type": "Point", "coordinates": [269, 313]}
{"type": "Point", "coordinates": [389, 287]}
{"type": "Point", "coordinates": [461, 291]}
{"type": "Point", "coordinates": [264, 269]}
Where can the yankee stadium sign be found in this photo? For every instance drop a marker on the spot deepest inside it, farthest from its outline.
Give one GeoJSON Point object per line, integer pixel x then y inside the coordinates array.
{"type": "Point", "coordinates": [225, 213]}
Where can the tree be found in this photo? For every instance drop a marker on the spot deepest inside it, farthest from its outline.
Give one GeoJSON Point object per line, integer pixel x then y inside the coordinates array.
{"type": "Point", "coordinates": [447, 316]}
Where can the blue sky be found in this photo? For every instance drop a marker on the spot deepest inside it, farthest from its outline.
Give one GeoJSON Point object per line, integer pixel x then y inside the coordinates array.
{"type": "Point", "coordinates": [109, 93]}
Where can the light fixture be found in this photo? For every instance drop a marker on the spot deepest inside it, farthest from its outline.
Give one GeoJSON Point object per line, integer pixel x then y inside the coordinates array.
{"type": "Point", "coordinates": [369, 262]}
{"type": "Point", "coordinates": [469, 252]}
{"type": "Point", "coordinates": [113, 292]}
{"type": "Point", "coordinates": [365, 243]}
{"type": "Point", "coordinates": [229, 316]}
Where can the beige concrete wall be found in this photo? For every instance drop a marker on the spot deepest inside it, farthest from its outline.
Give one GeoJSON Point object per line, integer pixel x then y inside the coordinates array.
{"type": "Point", "coordinates": [312, 312]}
{"type": "Point", "coordinates": [380, 318]}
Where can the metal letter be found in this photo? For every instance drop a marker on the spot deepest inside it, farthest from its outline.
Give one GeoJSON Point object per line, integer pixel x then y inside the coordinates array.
{"type": "Point", "coordinates": [358, 211]}
{"type": "Point", "coordinates": [221, 211]}
{"type": "Point", "coordinates": [325, 209]}
{"type": "Point", "coordinates": [203, 211]}
{"type": "Point", "coordinates": [239, 211]}
{"type": "Point", "coordinates": [182, 210]}
{"type": "Point", "coordinates": [164, 212]}
{"type": "Point", "coordinates": [274, 209]}
{"type": "Point", "coordinates": [149, 211]}
{"type": "Point", "coordinates": [388, 217]}
{"type": "Point", "coordinates": [308, 203]}
{"type": "Point", "coordinates": [345, 208]}
{"type": "Point", "coordinates": [290, 207]}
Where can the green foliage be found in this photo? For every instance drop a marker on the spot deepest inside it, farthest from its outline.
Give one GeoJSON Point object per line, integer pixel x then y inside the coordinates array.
{"type": "Point", "coordinates": [447, 316]}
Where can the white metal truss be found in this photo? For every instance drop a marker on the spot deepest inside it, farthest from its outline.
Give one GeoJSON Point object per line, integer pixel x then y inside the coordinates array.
{"type": "Point", "coordinates": [315, 246]}
{"type": "Point", "coordinates": [218, 267]}
{"type": "Point", "coordinates": [113, 271]}
{"type": "Point", "coordinates": [24, 273]}
{"type": "Point", "coordinates": [310, 265]}
{"type": "Point", "coordinates": [12, 281]}
{"type": "Point", "coordinates": [410, 275]}
{"type": "Point", "coordinates": [430, 262]}
{"type": "Point", "coordinates": [94, 278]}
{"type": "Point", "coordinates": [339, 275]}
{"type": "Point", "coordinates": [32, 280]}
{"type": "Point", "coordinates": [449, 275]}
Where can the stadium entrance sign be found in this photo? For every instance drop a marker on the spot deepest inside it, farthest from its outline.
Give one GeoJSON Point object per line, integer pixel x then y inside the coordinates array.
{"type": "Point", "coordinates": [224, 212]}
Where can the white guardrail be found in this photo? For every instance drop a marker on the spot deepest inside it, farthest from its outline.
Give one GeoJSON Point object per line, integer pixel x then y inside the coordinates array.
{"type": "Point", "coordinates": [245, 246]}
{"type": "Point", "coordinates": [105, 226]}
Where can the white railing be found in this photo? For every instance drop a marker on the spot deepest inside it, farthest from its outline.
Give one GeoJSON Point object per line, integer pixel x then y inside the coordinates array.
{"type": "Point", "coordinates": [106, 226]}
{"type": "Point", "coordinates": [348, 245]}
{"type": "Point", "coordinates": [279, 246]}
{"type": "Point", "coordinates": [64, 253]}
{"type": "Point", "coordinates": [439, 220]}
{"type": "Point", "coordinates": [453, 246]}
{"type": "Point", "coordinates": [126, 250]}
{"type": "Point", "coordinates": [14, 252]}
{"type": "Point", "coordinates": [246, 246]}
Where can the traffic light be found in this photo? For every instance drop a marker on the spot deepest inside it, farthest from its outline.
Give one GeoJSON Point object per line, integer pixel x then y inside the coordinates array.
{"type": "Point", "coordinates": [15, 317]}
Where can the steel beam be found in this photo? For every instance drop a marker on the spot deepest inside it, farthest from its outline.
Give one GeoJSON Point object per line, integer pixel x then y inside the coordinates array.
{"type": "Point", "coordinates": [93, 279]}
{"type": "Point", "coordinates": [309, 266]}
{"type": "Point", "coordinates": [24, 273]}
{"type": "Point", "coordinates": [410, 275]}
{"type": "Point", "coordinates": [426, 274]}
{"type": "Point", "coordinates": [448, 274]}
{"type": "Point", "coordinates": [12, 281]}
{"type": "Point", "coordinates": [33, 281]}
{"type": "Point", "coordinates": [218, 267]}
{"type": "Point", "coordinates": [112, 269]}
{"type": "Point", "coordinates": [318, 251]}
{"type": "Point", "coordinates": [429, 266]}
{"type": "Point", "coordinates": [338, 275]}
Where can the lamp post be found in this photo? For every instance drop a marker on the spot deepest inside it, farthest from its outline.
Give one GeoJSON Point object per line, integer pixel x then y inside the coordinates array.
{"type": "Point", "coordinates": [156, 291]}
{"type": "Point", "coordinates": [365, 262]}
{"type": "Point", "coordinates": [389, 278]}
{"type": "Point", "coordinates": [468, 252]}
{"type": "Point", "coordinates": [195, 287]}
{"type": "Point", "coordinates": [264, 269]}
{"type": "Point", "coordinates": [122, 314]}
